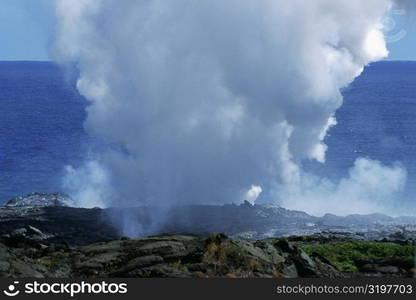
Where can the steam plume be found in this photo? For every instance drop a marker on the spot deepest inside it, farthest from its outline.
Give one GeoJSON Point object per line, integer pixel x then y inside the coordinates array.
{"type": "Point", "coordinates": [215, 101]}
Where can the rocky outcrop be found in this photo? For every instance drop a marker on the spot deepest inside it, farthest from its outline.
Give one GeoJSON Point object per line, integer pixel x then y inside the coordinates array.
{"type": "Point", "coordinates": [24, 254]}
{"type": "Point", "coordinates": [58, 224]}
{"type": "Point", "coordinates": [180, 256]}
{"type": "Point", "coordinates": [41, 236]}
{"type": "Point", "coordinates": [162, 256]}
{"type": "Point", "coordinates": [41, 200]}
{"type": "Point", "coordinates": [54, 216]}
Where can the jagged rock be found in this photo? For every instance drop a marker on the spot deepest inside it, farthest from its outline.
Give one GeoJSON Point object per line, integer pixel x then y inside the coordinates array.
{"type": "Point", "coordinates": [406, 264]}
{"type": "Point", "coordinates": [34, 230]}
{"type": "Point", "coordinates": [28, 235]}
{"type": "Point", "coordinates": [305, 266]}
{"type": "Point", "coordinates": [326, 269]}
{"type": "Point", "coordinates": [285, 245]}
{"type": "Point", "coordinates": [19, 232]}
{"type": "Point", "coordinates": [375, 268]}
{"type": "Point", "coordinates": [162, 256]}
{"type": "Point", "coordinates": [22, 269]}
{"type": "Point", "coordinates": [143, 261]}
{"type": "Point", "coordinates": [56, 224]}
{"type": "Point", "coordinates": [53, 240]}
{"type": "Point", "coordinates": [290, 271]}
{"type": "Point", "coordinates": [41, 200]}
{"type": "Point", "coordinates": [274, 254]}
{"type": "Point", "coordinates": [183, 256]}
{"type": "Point", "coordinates": [164, 248]}
{"type": "Point", "coordinates": [53, 215]}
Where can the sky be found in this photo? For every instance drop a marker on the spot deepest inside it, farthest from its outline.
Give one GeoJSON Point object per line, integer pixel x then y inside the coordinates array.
{"type": "Point", "coordinates": [26, 28]}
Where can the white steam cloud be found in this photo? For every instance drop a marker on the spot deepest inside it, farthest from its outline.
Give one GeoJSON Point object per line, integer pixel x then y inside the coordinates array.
{"type": "Point", "coordinates": [253, 193]}
{"type": "Point", "coordinates": [370, 187]}
{"type": "Point", "coordinates": [202, 101]}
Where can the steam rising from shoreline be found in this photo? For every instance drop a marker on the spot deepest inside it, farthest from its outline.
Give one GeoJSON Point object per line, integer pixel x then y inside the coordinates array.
{"type": "Point", "coordinates": [220, 101]}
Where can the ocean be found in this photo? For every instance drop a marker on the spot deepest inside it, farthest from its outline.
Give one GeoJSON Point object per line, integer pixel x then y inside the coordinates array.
{"type": "Point", "coordinates": [41, 127]}
{"type": "Point", "coordinates": [42, 115]}
{"type": "Point", "coordinates": [377, 121]}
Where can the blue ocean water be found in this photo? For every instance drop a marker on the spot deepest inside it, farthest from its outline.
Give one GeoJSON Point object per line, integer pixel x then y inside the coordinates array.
{"type": "Point", "coordinates": [377, 121]}
{"type": "Point", "coordinates": [41, 127]}
{"type": "Point", "coordinates": [42, 114]}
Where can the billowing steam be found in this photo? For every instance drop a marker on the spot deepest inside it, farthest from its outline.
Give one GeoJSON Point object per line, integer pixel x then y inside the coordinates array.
{"type": "Point", "coordinates": [370, 187]}
{"type": "Point", "coordinates": [217, 101]}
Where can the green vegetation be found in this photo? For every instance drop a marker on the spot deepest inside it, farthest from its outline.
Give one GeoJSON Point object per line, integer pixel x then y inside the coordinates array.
{"type": "Point", "coordinates": [344, 255]}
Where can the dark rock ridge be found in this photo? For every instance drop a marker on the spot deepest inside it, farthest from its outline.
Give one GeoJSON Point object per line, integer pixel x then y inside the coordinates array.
{"type": "Point", "coordinates": [52, 215]}
{"type": "Point", "coordinates": [61, 223]}
{"type": "Point", "coordinates": [42, 236]}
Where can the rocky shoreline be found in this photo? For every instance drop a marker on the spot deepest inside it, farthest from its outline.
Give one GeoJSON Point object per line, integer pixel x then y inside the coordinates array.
{"type": "Point", "coordinates": [41, 235]}
{"type": "Point", "coordinates": [178, 256]}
